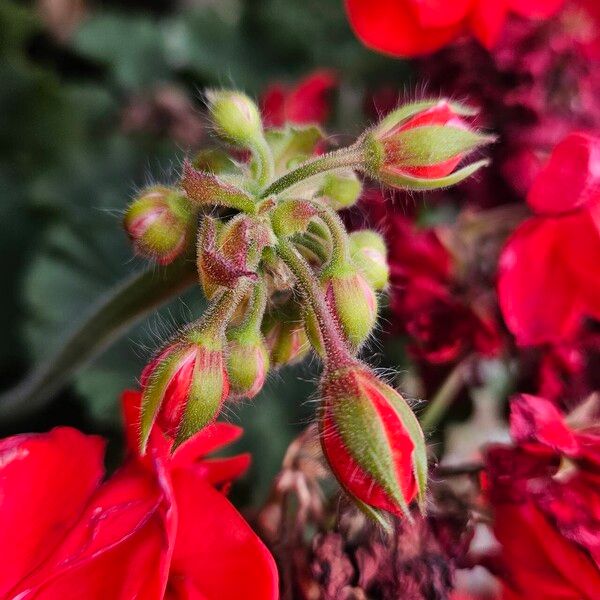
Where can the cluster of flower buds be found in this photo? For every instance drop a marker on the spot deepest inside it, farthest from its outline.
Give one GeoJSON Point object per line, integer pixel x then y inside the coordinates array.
{"type": "Point", "coordinates": [282, 275]}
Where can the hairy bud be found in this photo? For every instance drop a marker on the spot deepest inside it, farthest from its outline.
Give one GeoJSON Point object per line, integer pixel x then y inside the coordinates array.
{"type": "Point", "coordinates": [285, 335]}
{"type": "Point", "coordinates": [369, 254]}
{"type": "Point", "coordinates": [372, 440]}
{"type": "Point", "coordinates": [419, 146]}
{"type": "Point", "coordinates": [184, 387]}
{"type": "Point", "coordinates": [291, 216]}
{"type": "Point", "coordinates": [341, 190]}
{"type": "Point", "coordinates": [235, 116]}
{"type": "Point", "coordinates": [158, 223]}
{"type": "Point", "coordinates": [247, 364]}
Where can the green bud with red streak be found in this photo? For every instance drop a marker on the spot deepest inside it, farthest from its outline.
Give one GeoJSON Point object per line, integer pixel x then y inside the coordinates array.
{"type": "Point", "coordinates": [352, 302]}
{"type": "Point", "coordinates": [235, 116]}
{"type": "Point", "coordinates": [372, 440]}
{"type": "Point", "coordinates": [419, 146]}
{"type": "Point", "coordinates": [159, 223]}
{"type": "Point", "coordinates": [292, 216]}
{"type": "Point", "coordinates": [184, 387]}
{"type": "Point", "coordinates": [369, 253]}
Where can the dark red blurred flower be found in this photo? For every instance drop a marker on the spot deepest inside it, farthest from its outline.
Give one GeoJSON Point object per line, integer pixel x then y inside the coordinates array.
{"type": "Point", "coordinates": [413, 27]}
{"type": "Point", "coordinates": [441, 324]}
{"type": "Point", "coordinates": [307, 102]}
{"type": "Point", "coordinates": [160, 527]}
{"type": "Point", "coordinates": [545, 494]}
{"type": "Point", "coordinates": [548, 277]}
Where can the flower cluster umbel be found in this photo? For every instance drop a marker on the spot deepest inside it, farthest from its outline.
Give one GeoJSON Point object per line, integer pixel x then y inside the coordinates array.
{"type": "Point", "coordinates": [282, 274]}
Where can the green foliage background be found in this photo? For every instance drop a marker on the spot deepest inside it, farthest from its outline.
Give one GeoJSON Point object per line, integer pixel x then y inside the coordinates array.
{"type": "Point", "coordinates": [67, 169]}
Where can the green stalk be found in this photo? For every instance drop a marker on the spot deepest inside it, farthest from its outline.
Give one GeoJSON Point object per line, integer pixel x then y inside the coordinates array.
{"type": "Point", "coordinates": [340, 254]}
{"type": "Point", "coordinates": [337, 354]}
{"type": "Point", "coordinates": [254, 315]}
{"type": "Point", "coordinates": [265, 165]}
{"type": "Point", "coordinates": [345, 158]}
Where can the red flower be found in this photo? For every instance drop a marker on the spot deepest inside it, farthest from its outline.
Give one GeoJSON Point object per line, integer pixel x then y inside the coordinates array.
{"type": "Point", "coordinates": [442, 327]}
{"type": "Point", "coordinates": [307, 102]}
{"type": "Point", "coordinates": [158, 528]}
{"type": "Point", "coordinates": [548, 272]}
{"type": "Point", "coordinates": [546, 510]}
{"type": "Point", "coordinates": [413, 27]}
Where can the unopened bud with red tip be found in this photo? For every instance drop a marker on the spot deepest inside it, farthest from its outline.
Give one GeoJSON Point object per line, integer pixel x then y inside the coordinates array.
{"type": "Point", "coordinates": [285, 335]}
{"type": "Point", "coordinates": [372, 440]}
{"type": "Point", "coordinates": [419, 146]}
{"type": "Point", "coordinates": [369, 254]}
{"type": "Point", "coordinates": [352, 302]}
{"type": "Point", "coordinates": [341, 190]}
{"type": "Point", "coordinates": [235, 117]}
{"type": "Point", "coordinates": [184, 387]}
{"type": "Point", "coordinates": [159, 223]}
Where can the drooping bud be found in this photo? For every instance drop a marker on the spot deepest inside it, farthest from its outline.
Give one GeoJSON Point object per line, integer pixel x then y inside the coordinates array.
{"type": "Point", "coordinates": [419, 146]}
{"type": "Point", "coordinates": [292, 216]}
{"type": "Point", "coordinates": [184, 387]}
{"type": "Point", "coordinates": [159, 223]}
{"type": "Point", "coordinates": [369, 253]}
{"type": "Point", "coordinates": [235, 116]}
{"type": "Point", "coordinates": [372, 440]}
{"type": "Point", "coordinates": [285, 335]}
{"type": "Point", "coordinates": [341, 190]}
{"type": "Point", "coordinates": [247, 364]}
{"type": "Point", "coordinates": [352, 302]}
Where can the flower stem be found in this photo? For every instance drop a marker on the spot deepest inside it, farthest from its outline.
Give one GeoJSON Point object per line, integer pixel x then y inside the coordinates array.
{"type": "Point", "coordinates": [337, 354]}
{"type": "Point", "coordinates": [340, 254]}
{"type": "Point", "coordinates": [446, 394]}
{"type": "Point", "coordinates": [265, 165]}
{"type": "Point", "coordinates": [254, 315]}
{"type": "Point", "coordinates": [351, 157]}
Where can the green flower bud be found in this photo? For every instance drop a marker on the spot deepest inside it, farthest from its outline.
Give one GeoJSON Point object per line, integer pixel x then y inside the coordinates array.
{"type": "Point", "coordinates": [285, 335]}
{"type": "Point", "coordinates": [341, 190]}
{"type": "Point", "coordinates": [247, 364]}
{"type": "Point", "coordinates": [235, 116]}
{"type": "Point", "coordinates": [369, 254]}
{"type": "Point", "coordinates": [159, 223]}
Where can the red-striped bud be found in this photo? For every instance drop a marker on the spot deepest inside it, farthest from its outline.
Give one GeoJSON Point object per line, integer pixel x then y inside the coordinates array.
{"type": "Point", "coordinates": [158, 223]}
{"type": "Point", "coordinates": [372, 440]}
{"type": "Point", "coordinates": [419, 146]}
{"type": "Point", "coordinates": [183, 388]}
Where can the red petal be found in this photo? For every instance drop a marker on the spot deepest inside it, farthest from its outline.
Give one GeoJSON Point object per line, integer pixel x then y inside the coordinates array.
{"type": "Point", "coordinates": [440, 13]}
{"type": "Point", "coordinates": [541, 9]}
{"type": "Point", "coordinates": [390, 26]}
{"type": "Point", "coordinates": [570, 179]}
{"type": "Point", "coordinates": [309, 102]}
{"type": "Point", "coordinates": [121, 546]}
{"type": "Point", "coordinates": [272, 105]}
{"type": "Point", "coordinates": [45, 482]}
{"type": "Point", "coordinates": [216, 554]}
{"type": "Point", "coordinates": [487, 20]}
{"type": "Point", "coordinates": [534, 419]}
{"type": "Point", "coordinates": [219, 471]}
{"type": "Point", "coordinates": [536, 290]}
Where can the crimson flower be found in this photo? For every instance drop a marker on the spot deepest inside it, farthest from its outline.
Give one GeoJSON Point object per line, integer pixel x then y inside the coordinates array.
{"type": "Point", "coordinates": [414, 27]}
{"type": "Point", "coordinates": [545, 495]}
{"type": "Point", "coordinates": [442, 326]}
{"type": "Point", "coordinates": [306, 102]}
{"type": "Point", "coordinates": [548, 277]}
{"type": "Point", "coordinates": [160, 527]}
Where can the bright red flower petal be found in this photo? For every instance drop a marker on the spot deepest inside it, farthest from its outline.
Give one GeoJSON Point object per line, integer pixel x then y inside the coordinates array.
{"type": "Point", "coordinates": [440, 13]}
{"type": "Point", "coordinates": [217, 555]}
{"type": "Point", "coordinates": [45, 482]}
{"type": "Point", "coordinates": [391, 27]}
{"type": "Point", "coordinates": [540, 9]}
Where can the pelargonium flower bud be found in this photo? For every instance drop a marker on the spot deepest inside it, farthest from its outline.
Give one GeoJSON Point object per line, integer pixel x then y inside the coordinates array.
{"type": "Point", "coordinates": [235, 116]}
{"type": "Point", "coordinates": [285, 335]}
{"type": "Point", "coordinates": [291, 216]}
{"type": "Point", "coordinates": [352, 302]}
{"type": "Point", "coordinates": [341, 190]}
{"type": "Point", "coordinates": [247, 364]}
{"type": "Point", "coordinates": [369, 253]}
{"type": "Point", "coordinates": [420, 145]}
{"type": "Point", "coordinates": [184, 387]}
{"type": "Point", "coordinates": [372, 440]}
{"type": "Point", "coordinates": [159, 223]}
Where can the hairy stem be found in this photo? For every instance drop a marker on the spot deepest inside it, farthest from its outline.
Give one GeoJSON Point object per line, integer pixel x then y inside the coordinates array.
{"type": "Point", "coordinates": [336, 349]}
{"type": "Point", "coordinates": [265, 165]}
{"type": "Point", "coordinates": [351, 157]}
{"type": "Point", "coordinates": [340, 254]}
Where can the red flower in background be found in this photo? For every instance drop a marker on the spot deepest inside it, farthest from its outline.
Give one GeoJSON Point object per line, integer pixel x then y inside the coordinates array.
{"type": "Point", "coordinates": [441, 325]}
{"type": "Point", "coordinates": [548, 277]}
{"type": "Point", "coordinates": [306, 102]}
{"type": "Point", "coordinates": [160, 527]}
{"type": "Point", "coordinates": [545, 492]}
{"type": "Point", "coordinates": [414, 27]}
